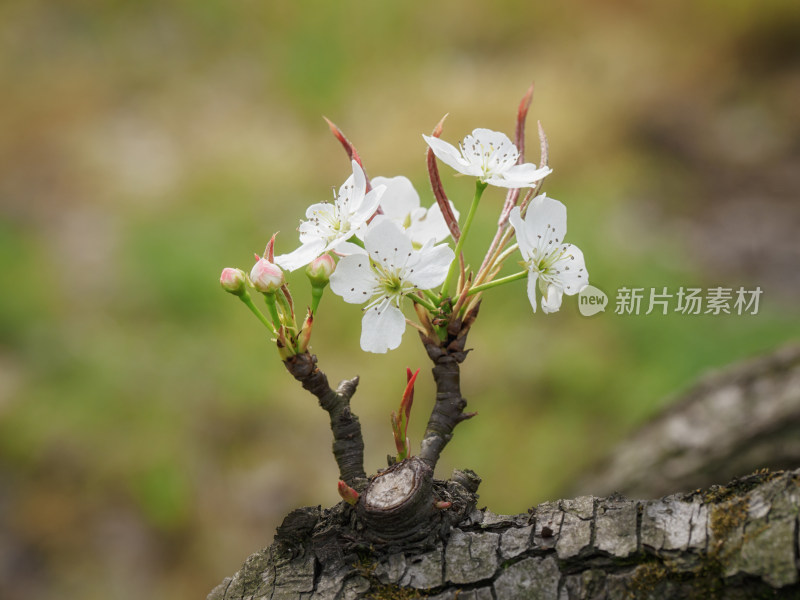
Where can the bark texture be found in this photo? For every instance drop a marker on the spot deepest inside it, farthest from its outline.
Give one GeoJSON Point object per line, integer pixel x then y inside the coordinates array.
{"type": "Point", "coordinates": [448, 408]}
{"type": "Point", "coordinates": [398, 504]}
{"type": "Point", "coordinates": [740, 419]}
{"type": "Point", "coordinates": [348, 443]}
{"type": "Point", "coordinates": [733, 542]}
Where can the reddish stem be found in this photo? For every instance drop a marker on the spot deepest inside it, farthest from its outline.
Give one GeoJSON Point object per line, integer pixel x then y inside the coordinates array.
{"type": "Point", "coordinates": [438, 189]}
{"type": "Point", "coordinates": [348, 146]}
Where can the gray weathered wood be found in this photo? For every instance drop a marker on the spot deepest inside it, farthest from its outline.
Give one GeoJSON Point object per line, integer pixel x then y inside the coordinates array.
{"type": "Point", "coordinates": [740, 419]}
{"type": "Point", "coordinates": [736, 541]}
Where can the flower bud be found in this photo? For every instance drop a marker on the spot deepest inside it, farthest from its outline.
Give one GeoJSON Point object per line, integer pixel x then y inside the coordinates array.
{"type": "Point", "coordinates": [347, 493]}
{"type": "Point", "coordinates": [304, 337]}
{"type": "Point", "coordinates": [266, 277]}
{"type": "Point", "coordinates": [320, 269]}
{"type": "Point", "coordinates": [233, 281]}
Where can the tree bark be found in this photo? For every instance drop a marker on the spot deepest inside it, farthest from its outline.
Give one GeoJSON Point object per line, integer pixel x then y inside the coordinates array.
{"type": "Point", "coordinates": [736, 541]}
{"type": "Point", "coordinates": [740, 419]}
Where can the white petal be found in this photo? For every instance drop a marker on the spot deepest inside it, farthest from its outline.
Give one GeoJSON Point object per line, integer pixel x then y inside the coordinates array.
{"type": "Point", "coordinates": [551, 301]}
{"type": "Point", "coordinates": [571, 270]}
{"type": "Point", "coordinates": [500, 181]}
{"type": "Point", "coordinates": [546, 222]}
{"type": "Point", "coordinates": [351, 193]}
{"type": "Point", "coordinates": [518, 176]}
{"type": "Point", "coordinates": [323, 208]}
{"type": "Point", "coordinates": [346, 248]}
{"type": "Point", "coordinates": [428, 268]}
{"type": "Point", "coordinates": [449, 155]}
{"type": "Point", "coordinates": [359, 181]}
{"type": "Point", "coordinates": [532, 277]}
{"type": "Point", "coordinates": [387, 244]}
{"type": "Point", "coordinates": [490, 137]}
{"type": "Point", "coordinates": [431, 226]}
{"type": "Point", "coordinates": [382, 328]}
{"type": "Point", "coordinates": [353, 279]}
{"type": "Point", "coordinates": [369, 204]}
{"type": "Point", "coordinates": [345, 202]}
{"type": "Point", "coordinates": [400, 198]}
{"type": "Point", "coordinates": [340, 245]}
{"type": "Point", "coordinates": [301, 256]}
{"type": "Point", "coordinates": [518, 224]}
{"type": "Point", "coordinates": [362, 229]}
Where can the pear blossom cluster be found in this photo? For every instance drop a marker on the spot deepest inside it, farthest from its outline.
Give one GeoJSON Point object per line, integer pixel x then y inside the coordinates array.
{"type": "Point", "coordinates": [390, 270]}
{"type": "Point", "coordinates": [405, 261]}
{"type": "Point", "coordinates": [378, 246]}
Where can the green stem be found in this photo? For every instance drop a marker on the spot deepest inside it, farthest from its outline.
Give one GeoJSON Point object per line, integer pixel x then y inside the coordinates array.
{"type": "Point", "coordinates": [316, 295]}
{"type": "Point", "coordinates": [479, 187]}
{"type": "Point", "coordinates": [505, 254]}
{"type": "Point", "coordinates": [496, 282]}
{"type": "Point", "coordinates": [287, 310]}
{"type": "Point", "coordinates": [422, 302]}
{"type": "Point", "coordinates": [273, 309]}
{"type": "Point", "coordinates": [248, 301]}
{"type": "Point", "coordinates": [432, 297]}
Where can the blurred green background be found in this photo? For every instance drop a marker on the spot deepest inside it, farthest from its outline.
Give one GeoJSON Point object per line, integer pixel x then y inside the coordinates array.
{"type": "Point", "coordinates": [149, 437]}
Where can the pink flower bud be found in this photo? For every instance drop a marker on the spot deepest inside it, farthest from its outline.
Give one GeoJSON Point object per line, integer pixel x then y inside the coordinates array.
{"type": "Point", "coordinates": [442, 505]}
{"type": "Point", "coordinates": [233, 281]}
{"type": "Point", "coordinates": [267, 277]}
{"type": "Point", "coordinates": [320, 269]}
{"type": "Point", "coordinates": [347, 493]}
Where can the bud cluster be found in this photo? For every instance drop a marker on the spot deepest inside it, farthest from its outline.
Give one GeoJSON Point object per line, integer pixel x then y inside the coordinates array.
{"type": "Point", "coordinates": [267, 278]}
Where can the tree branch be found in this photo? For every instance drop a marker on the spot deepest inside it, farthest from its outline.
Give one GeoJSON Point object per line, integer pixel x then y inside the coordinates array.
{"type": "Point", "coordinates": [448, 409]}
{"type": "Point", "coordinates": [348, 443]}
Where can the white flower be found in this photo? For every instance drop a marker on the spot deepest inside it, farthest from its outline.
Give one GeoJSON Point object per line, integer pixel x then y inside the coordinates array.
{"type": "Point", "coordinates": [390, 270]}
{"type": "Point", "coordinates": [400, 203]}
{"type": "Point", "coordinates": [491, 157]}
{"type": "Point", "coordinates": [328, 226]}
{"type": "Point", "coordinates": [559, 268]}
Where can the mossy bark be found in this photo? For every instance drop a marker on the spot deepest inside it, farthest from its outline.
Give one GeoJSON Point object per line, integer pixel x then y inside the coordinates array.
{"type": "Point", "coordinates": [736, 541]}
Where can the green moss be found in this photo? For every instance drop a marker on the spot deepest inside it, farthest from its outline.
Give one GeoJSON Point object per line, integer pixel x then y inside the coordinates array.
{"type": "Point", "coordinates": [706, 581]}
{"type": "Point", "coordinates": [727, 517]}
{"type": "Point", "coordinates": [382, 591]}
{"type": "Point", "coordinates": [720, 493]}
{"type": "Point", "coordinates": [392, 592]}
{"type": "Point", "coordinates": [646, 578]}
{"type": "Point", "coordinates": [653, 580]}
